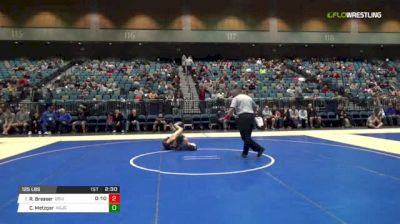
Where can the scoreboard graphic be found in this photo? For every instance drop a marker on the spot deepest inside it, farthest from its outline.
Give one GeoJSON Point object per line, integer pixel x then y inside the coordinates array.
{"type": "Point", "coordinates": [69, 199]}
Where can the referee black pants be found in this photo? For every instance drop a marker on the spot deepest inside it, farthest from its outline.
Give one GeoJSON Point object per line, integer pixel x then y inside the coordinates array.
{"type": "Point", "coordinates": [245, 124]}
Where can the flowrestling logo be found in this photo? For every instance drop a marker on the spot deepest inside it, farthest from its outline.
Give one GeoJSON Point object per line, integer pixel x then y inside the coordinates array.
{"type": "Point", "coordinates": [354, 15]}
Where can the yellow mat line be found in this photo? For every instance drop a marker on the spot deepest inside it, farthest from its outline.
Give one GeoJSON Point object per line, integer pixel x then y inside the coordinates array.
{"type": "Point", "coordinates": [379, 144]}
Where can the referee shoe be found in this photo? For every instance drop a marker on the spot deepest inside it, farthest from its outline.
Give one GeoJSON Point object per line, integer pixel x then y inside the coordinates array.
{"type": "Point", "coordinates": [259, 153]}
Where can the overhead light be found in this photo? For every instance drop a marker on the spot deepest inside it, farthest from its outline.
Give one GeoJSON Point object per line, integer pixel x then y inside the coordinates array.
{"type": "Point", "coordinates": [140, 44]}
{"type": "Point", "coordinates": [110, 43]}
{"type": "Point", "coordinates": [253, 45]}
{"type": "Point", "coordinates": [280, 45]}
{"type": "Point", "coordinates": [48, 42]}
{"type": "Point", "coordinates": [305, 45]}
{"type": "Point", "coordinates": [79, 43]}
{"type": "Point", "coordinates": [332, 45]}
{"type": "Point", "coordinates": [16, 42]}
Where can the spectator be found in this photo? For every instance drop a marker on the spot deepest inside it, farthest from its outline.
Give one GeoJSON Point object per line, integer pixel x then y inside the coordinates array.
{"type": "Point", "coordinates": [344, 118]}
{"type": "Point", "coordinates": [313, 119]}
{"type": "Point", "coordinates": [202, 97]}
{"type": "Point", "coordinates": [110, 121]}
{"type": "Point", "coordinates": [223, 124]}
{"type": "Point", "coordinates": [48, 120]}
{"type": "Point", "coordinates": [63, 121]}
{"type": "Point", "coordinates": [269, 120]}
{"type": "Point", "coordinates": [374, 121]}
{"type": "Point", "coordinates": [34, 123]}
{"type": "Point", "coordinates": [391, 116]}
{"type": "Point", "coordinates": [189, 63]}
{"type": "Point", "coordinates": [153, 95]}
{"type": "Point", "coordinates": [160, 123]}
{"type": "Point", "coordinates": [7, 119]}
{"type": "Point", "coordinates": [278, 119]}
{"type": "Point", "coordinates": [183, 61]}
{"type": "Point", "coordinates": [21, 121]}
{"type": "Point", "coordinates": [294, 117]}
{"type": "Point", "coordinates": [82, 119]}
{"type": "Point", "coordinates": [118, 122]}
{"type": "Point", "coordinates": [133, 122]}
{"type": "Point", "coordinates": [36, 95]}
{"type": "Point", "coordinates": [303, 117]}
{"type": "Point", "coordinates": [286, 117]}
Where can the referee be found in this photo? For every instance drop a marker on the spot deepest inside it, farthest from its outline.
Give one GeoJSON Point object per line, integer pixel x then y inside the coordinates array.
{"type": "Point", "coordinates": [245, 108]}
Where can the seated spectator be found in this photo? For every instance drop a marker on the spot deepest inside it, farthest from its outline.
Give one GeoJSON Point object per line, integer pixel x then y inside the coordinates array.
{"type": "Point", "coordinates": [345, 120]}
{"type": "Point", "coordinates": [313, 119]}
{"type": "Point", "coordinates": [118, 122]}
{"type": "Point", "coordinates": [269, 120]}
{"type": "Point", "coordinates": [34, 123]}
{"type": "Point", "coordinates": [21, 121]}
{"type": "Point", "coordinates": [278, 119]}
{"type": "Point", "coordinates": [286, 117]}
{"type": "Point", "coordinates": [82, 119]}
{"type": "Point", "coordinates": [374, 121]}
{"type": "Point", "coordinates": [222, 122]}
{"type": "Point", "coordinates": [153, 95]}
{"type": "Point", "coordinates": [391, 116]}
{"type": "Point", "coordinates": [132, 123]}
{"type": "Point", "coordinates": [63, 121]}
{"type": "Point", "coordinates": [110, 121]}
{"type": "Point", "coordinates": [48, 120]}
{"type": "Point", "coordinates": [7, 119]}
{"type": "Point", "coordinates": [303, 117]}
{"type": "Point", "coordinates": [294, 117]}
{"type": "Point", "coordinates": [160, 123]}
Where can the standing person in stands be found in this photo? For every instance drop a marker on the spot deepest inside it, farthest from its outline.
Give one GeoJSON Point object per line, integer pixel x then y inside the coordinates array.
{"type": "Point", "coordinates": [132, 122]}
{"type": "Point", "coordinates": [189, 63]}
{"type": "Point", "coordinates": [82, 119]}
{"type": "Point", "coordinates": [21, 120]}
{"type": "Point", "coordinates": [202, 99]}
{"type": "Point", "coordinates": [245, 108]}
{"type": "Point", "coordinates": [183, 62]}
{"type": "Point", "coordinates": [313, 119]}
{"type": "Point", "coordinates": [7, 119]}
{"type": "Point", "coordinates": [48, 120]}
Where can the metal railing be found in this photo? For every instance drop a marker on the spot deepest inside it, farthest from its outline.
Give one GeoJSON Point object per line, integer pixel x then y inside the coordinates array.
{"type": "Point", "coordinates": [208, 106]}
